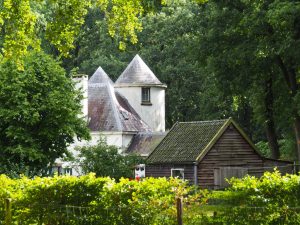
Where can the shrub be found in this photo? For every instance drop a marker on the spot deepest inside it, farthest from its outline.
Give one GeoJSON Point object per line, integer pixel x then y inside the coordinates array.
{"type": "Point", "coordinates": [271, 199]}
{"type": "Point", "coordinates": [105, 160]}
{"type": "Point", "coordinates": [90, 200]}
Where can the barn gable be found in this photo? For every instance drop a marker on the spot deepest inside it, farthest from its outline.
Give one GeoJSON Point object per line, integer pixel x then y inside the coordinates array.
{"type": "Point", "coordinates": [232, 155]}
{"type": "Point", "coordinates": [207, 153]}
{"type": "Point", "coordinates": [189, 142]}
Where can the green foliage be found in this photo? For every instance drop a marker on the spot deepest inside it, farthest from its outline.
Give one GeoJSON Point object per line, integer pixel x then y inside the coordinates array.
{"type": "Point", "coordinates": [123, 20]}
{"type": "Point", "coordinates": [264, 149]}
{"type": "Point", "coordinates": [25, 24]}
{"type": "Point", "coordinates": [101, 200]}
{"type": "Point", "coordinates": [271, 199]}
{"type": "Point", "coordinates": [248, 52]}
{"type": "Point", "coordinates": [287, 146]}
{"type": "Point", "coordinates": [36, 123]}
{"type": "Point", "coordinates": [105, 160]}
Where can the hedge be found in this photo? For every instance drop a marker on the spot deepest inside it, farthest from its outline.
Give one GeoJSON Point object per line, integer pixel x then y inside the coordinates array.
{"type": "Point", "coordinates": [271, 199]}
{"type": "Point", "coordinates": [91, 200]}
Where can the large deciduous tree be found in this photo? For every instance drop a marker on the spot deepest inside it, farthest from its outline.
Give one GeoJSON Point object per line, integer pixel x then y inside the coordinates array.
{"type": "Point", "coordinates": [252, 47]}
{"type": "Point", "coordinates": [39, 114]}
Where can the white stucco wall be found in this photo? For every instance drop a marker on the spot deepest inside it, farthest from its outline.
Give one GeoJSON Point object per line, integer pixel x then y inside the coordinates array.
{"type": "Point", "coordinates": [82, 84]}
{"type": "Point", "coordinates": [153, 115]}
{"type": "Point", "coordinates": [119, 139]}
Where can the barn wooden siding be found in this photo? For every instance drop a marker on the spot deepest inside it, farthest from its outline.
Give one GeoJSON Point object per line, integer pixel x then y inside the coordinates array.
{"type": "Point", "coordinates": [231, 155]}
{"type": "Point", "coordinates": [232, 150]}
{"type": "Point", "coordinates": [159, 170]}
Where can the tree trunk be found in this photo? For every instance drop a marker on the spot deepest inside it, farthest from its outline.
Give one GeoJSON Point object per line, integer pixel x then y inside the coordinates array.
{"type": "Point", "coordinates": [290, 77]}
{"type": "Point", "coordinates": [269, 113]}
{"type": "Point", "coordinates": [297, 132]}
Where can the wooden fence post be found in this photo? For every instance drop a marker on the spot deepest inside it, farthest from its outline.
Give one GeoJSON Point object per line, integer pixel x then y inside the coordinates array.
{"type": "Point", "coordinates": [7, 203]}
{"type": "Point", "coordinates": [179, 210]}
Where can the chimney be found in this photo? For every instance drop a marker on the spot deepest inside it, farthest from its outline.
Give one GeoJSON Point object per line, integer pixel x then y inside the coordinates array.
{"type": "Point", "coordinates": [81, 83]}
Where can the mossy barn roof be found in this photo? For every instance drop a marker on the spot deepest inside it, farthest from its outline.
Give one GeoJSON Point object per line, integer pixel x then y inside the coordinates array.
{"type": "Point", "coordinates": [188, 142]}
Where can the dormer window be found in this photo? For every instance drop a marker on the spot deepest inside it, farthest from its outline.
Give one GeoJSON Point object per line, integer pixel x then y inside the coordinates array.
{"type": "Point", "coordinates": [146, 96]}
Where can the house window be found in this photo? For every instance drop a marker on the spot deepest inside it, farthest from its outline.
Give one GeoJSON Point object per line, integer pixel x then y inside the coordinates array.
{"type": "Point", "coordinates": [177, 173]}
{"type": "Point", "coordinates": [140, 171]}
{"type": "Point", "coordinates": [68, 171]}
{"type": "Point", "coordinates": [146, 96]}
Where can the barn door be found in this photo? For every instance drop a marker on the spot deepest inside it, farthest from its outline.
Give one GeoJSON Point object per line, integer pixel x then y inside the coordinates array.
{"type": "Point", "coordinates": [223, 173]}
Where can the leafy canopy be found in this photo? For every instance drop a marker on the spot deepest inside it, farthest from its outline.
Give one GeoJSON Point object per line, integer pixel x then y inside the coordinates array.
{"type": "Point", "coordinates": [25, 23]}
{"type": "Point", "coordinates": [39, 110]}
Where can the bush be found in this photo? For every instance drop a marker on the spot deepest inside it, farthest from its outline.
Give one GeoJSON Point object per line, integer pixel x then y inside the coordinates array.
{"type": "Point", "coordinates": [271, 199]}
{"type": "Point", "coordinates": [90, 200]}
{"type": "Point", "coordinates": [105, 160]}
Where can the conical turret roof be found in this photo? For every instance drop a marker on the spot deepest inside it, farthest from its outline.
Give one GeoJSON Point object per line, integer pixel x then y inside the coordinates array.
{"type": "Point", "coordinates": [137, 72]}
{"type": "Point", "coordinates": [100, 77]}
{"type": "Point", "coordinates": [108, 110]}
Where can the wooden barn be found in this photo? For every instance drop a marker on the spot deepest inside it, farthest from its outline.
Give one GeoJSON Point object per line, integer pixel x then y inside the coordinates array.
{"type": "Point", "coordinates": [207, 152]}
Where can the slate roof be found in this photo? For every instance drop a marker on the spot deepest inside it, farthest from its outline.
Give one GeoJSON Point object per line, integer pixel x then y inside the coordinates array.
{"type": "Point", "coordinates": [100, 77]}
{"type": "Point", "coordinates": [137, 72]}
{"type": "Point", "coordinates": [108, 110]}
{"type": "Point", "coordinates": [144, 143]}
{"type": "Point", "coordinates": [186, 141]}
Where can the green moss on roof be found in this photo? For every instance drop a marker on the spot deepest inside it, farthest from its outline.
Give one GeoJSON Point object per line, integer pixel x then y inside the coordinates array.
{"type": "Point", "coordinates": [186, 141]}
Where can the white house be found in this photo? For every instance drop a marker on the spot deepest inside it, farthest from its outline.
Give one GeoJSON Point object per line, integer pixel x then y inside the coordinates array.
{"type": "Point", "coordinates": [129, 113]}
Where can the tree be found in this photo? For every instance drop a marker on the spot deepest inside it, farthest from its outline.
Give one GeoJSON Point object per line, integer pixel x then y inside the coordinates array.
{"type": "Point", "coordinates": [252, 52]}
{"type": "Point", "coordinates": [39, 114]}
{"type": "Point", "coordinates": [105, 160]}
{"type": "Point", "coordinates": [25, 24]}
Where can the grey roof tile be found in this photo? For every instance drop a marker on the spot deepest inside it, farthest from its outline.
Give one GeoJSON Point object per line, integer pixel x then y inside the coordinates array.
{"type": "Point", "coordinates": [185, 141]}
{"type": "Point", "coordinates": [102, 112]}
{"type": "Point", "coordinates": [143, 143]}
{"type": "Point", "coordinates": [108, 110]}
{"type": "Point", "coordinates": [137, 72]}
{"type": "Point", "coordinates": [100, 77]}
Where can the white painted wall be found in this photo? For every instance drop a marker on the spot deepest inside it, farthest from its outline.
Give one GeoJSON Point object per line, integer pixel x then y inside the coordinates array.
{"type": "Point", "coordinates": [153, 115]}
{"type": "Point", "coordinates": [82, 84]}
{"type": "Point", "coordinates": [119, 139]}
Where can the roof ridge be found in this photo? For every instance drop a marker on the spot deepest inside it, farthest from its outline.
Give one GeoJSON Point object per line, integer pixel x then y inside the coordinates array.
{"type": "Point", "coordinates": [205, 121]}
{"type": "Point", "coordinates": [115, 105]}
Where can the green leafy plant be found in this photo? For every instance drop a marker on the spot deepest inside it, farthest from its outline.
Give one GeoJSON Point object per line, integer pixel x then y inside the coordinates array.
{"type": "Point", "coordinates": [271, 199]}
{"type": "Point", "coordinates": [91, 200]}
{"type": "Point", "coordinates": [105, 160]}
{"type": "Point", "coordinates": [36, 123]}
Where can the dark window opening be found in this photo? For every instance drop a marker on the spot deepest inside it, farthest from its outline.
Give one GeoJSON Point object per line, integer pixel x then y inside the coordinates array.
{"type": "Point", "coordinates": [177, 173]}
{"type": "Point", "coordinates": [146, 96]}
